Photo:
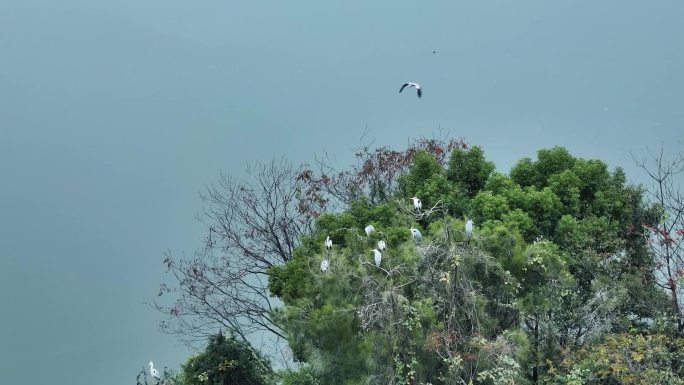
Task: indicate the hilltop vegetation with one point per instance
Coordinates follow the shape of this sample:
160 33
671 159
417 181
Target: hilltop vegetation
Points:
558 284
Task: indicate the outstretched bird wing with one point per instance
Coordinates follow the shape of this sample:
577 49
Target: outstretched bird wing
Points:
402 87
420 92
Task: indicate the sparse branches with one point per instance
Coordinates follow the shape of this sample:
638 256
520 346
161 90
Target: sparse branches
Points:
376 172
422 215
253 225
664 232
457 277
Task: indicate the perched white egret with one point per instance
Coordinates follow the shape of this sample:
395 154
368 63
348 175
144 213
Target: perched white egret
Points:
328 243
416 234
378 257
381 245
469 228
417 204
369 229
324 266
411 84
154 372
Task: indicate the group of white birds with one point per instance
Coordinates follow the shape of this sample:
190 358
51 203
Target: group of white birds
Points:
377 252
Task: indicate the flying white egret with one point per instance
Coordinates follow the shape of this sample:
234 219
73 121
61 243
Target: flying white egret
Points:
378 257
381 245
369 229
154 372
328 243
416 234
469 228
324 266
411 84
417 204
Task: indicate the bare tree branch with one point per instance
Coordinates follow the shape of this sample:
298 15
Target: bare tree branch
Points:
665 231
253 225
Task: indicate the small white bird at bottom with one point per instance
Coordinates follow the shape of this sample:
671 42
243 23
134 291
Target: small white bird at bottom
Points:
416 234
469 228
154 372
324 266
381 245
378 257
411 84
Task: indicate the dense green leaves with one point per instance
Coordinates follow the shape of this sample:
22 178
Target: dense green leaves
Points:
561 281
553 260
651 359
469 170
556 285
226 361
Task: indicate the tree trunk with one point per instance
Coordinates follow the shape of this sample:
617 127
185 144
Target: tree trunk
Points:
535 368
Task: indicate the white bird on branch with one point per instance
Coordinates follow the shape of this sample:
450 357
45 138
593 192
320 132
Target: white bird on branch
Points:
416 234
369 229
328 243
381 245
417 204
411 84
469 228
378 257
154 372
324 266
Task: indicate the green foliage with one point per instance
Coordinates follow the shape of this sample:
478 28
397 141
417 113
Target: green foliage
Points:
566 185
524 172
227 361
651 359
552 161
521 221
545 207
424 167
502 241
305 376
428 180
500 184
487 206
335 225
469 170
292 280
556 262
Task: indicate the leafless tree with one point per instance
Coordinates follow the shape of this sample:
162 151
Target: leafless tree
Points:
253 225
665 232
